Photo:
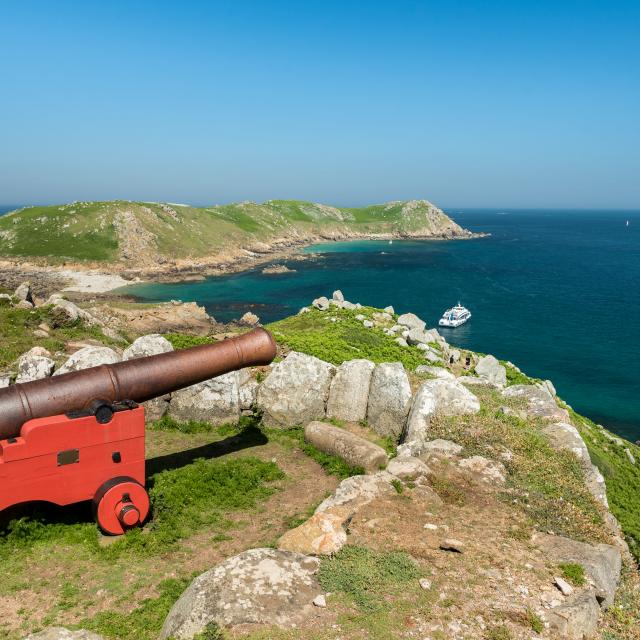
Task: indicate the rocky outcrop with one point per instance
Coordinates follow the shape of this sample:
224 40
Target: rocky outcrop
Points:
349 392
259 586
321 535
216 401
389 399
150 345
88 357
488 367
451 398
356 491
602 562
411 321
296 391
34 365
354 450
423 409
540 403
576 618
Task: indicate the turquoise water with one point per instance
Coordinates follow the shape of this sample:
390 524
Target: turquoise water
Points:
555 292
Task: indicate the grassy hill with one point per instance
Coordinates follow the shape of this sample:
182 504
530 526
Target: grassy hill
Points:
144 233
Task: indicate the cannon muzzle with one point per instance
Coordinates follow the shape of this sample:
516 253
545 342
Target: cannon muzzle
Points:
139 380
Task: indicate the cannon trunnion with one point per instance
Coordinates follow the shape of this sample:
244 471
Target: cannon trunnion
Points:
81 436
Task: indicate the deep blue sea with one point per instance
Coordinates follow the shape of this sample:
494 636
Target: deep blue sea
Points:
555 292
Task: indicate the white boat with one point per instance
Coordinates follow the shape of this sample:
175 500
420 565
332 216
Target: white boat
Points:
455 316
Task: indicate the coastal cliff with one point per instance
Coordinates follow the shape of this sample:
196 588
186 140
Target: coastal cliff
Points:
421 490
160 240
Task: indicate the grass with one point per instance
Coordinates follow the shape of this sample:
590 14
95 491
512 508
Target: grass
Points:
17 327
573 573
184 341
345 339
167 423
622 477
548 485
367 577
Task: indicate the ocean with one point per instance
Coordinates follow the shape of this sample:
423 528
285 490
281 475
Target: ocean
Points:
555 292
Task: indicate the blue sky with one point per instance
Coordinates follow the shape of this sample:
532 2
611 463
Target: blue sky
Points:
530 104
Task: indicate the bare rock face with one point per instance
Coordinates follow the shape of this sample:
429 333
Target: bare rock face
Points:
60 633
150 345
353 449
296 391
349 391
451 398
357 491
216 401
88 357
389 399
34 365
576 618
488 367
540 402
259 586
423 409
411 321
563 435
602 562
323 534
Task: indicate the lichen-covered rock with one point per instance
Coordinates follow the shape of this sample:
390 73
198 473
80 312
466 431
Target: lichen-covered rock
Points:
321 303
436 372
423 409
60 633
488 367
576 618
349 391
24 293
451 398
418 337
150 345
33 365
439 448
353 449
389 399
563 435
250 319
66 312
407 468
259 586
601 562
484 470
322 534
539 402
356 491
216 401
88 357
296 391
411 321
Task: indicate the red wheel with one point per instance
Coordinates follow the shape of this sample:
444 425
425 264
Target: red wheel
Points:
119 504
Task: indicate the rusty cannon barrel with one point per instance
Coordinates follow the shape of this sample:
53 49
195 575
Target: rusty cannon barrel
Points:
139 379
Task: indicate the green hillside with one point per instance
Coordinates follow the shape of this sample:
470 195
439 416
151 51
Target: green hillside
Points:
138 233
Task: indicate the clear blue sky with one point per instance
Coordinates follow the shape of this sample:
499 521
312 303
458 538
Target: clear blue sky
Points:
519 103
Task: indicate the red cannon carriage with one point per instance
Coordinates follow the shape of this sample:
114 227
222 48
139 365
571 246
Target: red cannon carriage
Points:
80 436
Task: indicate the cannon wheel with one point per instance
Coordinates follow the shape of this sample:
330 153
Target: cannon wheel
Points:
120 504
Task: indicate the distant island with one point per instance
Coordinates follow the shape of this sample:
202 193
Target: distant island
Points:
161 241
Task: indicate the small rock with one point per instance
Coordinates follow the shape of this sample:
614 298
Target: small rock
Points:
368 324
401 342
337 295
451 544
321 303
320 601
407 468
24 293
425 584
44 327
61 633
360 317
411 321
250 319
430 527
485 470
322 534
389 310
565 588
488 367
88 357
149 345
39 333
436 372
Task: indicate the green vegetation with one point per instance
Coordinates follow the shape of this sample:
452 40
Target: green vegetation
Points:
17 327
622 476
345 339
367 577
573 572
144 622
95 231
549 484
397 485
516 377
167 423
184 341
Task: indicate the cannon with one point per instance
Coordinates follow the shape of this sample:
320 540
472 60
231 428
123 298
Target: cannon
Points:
81 435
